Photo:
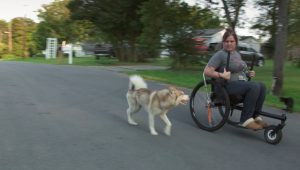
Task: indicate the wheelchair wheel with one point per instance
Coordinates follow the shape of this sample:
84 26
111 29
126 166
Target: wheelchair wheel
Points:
271 136
207 113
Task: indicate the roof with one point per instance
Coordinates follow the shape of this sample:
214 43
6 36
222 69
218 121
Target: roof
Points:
247 37
208 32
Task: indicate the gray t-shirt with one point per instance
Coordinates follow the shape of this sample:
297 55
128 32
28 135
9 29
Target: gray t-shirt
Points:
237 66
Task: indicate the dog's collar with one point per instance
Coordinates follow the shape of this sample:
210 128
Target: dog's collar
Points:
152 95
172 93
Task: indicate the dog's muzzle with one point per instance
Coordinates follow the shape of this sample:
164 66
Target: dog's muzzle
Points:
182 99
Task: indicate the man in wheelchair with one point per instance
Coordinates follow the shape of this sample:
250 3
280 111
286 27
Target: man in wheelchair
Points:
237 84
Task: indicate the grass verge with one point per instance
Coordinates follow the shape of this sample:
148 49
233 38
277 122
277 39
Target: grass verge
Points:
189 79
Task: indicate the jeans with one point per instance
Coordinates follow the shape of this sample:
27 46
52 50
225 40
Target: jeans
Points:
254 94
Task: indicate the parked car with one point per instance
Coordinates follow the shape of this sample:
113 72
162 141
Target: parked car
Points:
248 53
104 49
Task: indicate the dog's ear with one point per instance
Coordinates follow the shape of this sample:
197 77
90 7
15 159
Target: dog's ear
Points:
174 91
172 88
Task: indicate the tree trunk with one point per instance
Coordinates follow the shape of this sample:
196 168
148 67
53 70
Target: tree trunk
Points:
132 52
280 48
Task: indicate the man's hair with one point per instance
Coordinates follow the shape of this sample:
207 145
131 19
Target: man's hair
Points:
228 33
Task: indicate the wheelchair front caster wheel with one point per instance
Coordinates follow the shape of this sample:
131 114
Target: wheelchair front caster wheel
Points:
271 136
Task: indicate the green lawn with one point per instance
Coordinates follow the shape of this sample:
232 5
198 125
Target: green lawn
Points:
189 79
82 61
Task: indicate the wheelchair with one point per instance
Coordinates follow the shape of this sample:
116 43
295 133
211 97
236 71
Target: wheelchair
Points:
211 107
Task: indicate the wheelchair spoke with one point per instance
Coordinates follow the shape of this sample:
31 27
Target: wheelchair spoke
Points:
205 112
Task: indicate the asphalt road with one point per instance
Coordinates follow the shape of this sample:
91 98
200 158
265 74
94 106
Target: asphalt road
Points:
73 118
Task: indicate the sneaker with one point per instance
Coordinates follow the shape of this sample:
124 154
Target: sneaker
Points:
251 124
259 121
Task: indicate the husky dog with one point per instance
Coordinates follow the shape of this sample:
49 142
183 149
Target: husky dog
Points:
155 102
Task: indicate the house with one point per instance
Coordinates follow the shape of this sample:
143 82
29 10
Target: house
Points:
213 37
251 41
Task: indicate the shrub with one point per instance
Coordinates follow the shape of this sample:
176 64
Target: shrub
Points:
9 56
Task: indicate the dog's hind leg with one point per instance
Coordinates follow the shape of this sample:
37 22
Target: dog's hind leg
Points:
130 111
151 124
168 126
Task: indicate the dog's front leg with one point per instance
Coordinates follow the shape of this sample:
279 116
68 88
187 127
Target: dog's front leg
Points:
167 130
151 124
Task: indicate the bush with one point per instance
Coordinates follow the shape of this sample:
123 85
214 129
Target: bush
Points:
3 49
8 56
297 62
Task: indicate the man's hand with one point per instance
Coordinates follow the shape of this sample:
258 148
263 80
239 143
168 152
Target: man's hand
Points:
251 73
226 74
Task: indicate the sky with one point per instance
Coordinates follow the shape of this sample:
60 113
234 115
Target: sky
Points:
250 14
10 9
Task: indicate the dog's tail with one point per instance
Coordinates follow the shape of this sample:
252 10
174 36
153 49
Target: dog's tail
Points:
136 82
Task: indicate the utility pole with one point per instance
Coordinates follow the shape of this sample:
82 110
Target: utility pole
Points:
9 33
24 39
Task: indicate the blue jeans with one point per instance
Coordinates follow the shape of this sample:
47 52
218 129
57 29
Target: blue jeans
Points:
254 96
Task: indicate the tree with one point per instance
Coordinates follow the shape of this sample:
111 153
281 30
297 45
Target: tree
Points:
23 29
180 22
152 18
280 47
267 22
275 21
170 25
294 24
3 29
3 37
56 23
119 20
41 34
232 10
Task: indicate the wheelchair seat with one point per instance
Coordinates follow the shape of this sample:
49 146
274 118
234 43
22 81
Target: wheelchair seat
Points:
218 98
236 99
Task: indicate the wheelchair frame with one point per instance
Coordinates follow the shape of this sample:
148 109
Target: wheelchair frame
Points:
225 108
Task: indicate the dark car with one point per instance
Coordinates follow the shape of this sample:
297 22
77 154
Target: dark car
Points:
104 50
250 55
